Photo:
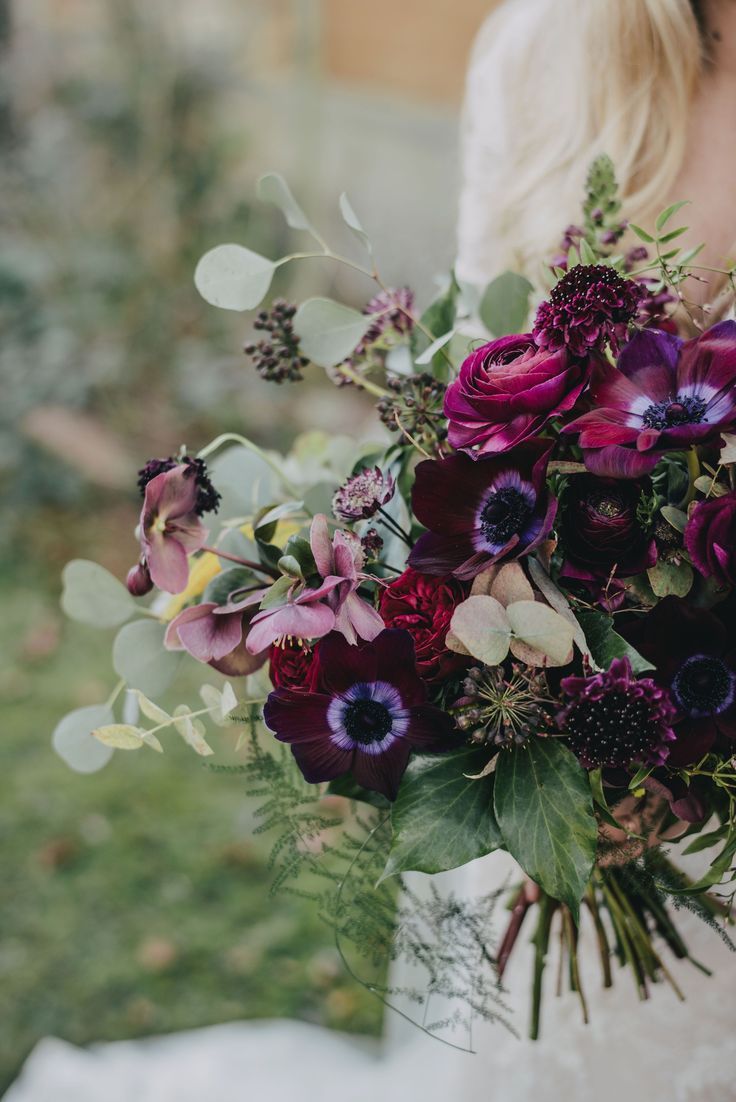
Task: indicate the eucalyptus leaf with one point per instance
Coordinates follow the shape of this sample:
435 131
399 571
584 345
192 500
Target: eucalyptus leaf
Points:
540 627
140 658
606 644
73 740
728 453
504 307
482 626
233 277
273 188
676 517
92 595
353 222
328 331
441 818
671 579
120 736
544 809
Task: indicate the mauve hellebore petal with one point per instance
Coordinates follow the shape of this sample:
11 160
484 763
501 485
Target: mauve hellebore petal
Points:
170 528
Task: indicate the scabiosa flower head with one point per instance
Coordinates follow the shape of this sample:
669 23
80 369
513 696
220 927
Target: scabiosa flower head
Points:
367 716
207 499
481 512
363 495
616 719
664 394
695 659
591 306
507 391
423 604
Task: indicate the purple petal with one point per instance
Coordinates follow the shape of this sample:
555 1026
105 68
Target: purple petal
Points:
207 636
382 772
618 462
321 545
650 347
310 621
355 618
167 561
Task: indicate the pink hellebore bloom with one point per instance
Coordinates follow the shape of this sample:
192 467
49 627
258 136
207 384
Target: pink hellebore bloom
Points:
170 529
332 606
215 634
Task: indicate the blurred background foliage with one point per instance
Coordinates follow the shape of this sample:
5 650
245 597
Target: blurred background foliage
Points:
131 136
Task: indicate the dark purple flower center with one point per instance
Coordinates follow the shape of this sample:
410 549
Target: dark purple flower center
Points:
368 716
366 721
704 686
614 730
505 514
684 409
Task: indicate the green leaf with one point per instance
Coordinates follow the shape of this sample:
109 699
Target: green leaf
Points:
139 657
351 790
233 277
671 236
719 867
328 331
481 626
676 517
505 304
273 188
642 234
353 222
544 810
542 629
671 579
605 644
587 256
228 582
120 736
73 740
669 211
441 819
92 595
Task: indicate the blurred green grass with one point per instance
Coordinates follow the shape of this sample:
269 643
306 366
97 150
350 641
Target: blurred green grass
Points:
136 900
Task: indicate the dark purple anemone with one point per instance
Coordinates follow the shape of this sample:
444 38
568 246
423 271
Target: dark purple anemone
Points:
664 394
695 658
481 511
368 716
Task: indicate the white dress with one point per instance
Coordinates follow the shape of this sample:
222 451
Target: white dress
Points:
658 1051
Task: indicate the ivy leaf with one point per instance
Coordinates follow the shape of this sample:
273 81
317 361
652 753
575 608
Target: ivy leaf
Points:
606 644
92 595
233 277
349 788
544 810
441 818
328 331
504 307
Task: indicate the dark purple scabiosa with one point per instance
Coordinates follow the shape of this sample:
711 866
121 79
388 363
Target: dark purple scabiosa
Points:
663 394
695 658
710 539
601 534
616 719
363 495
507 391
481 512
369 714
590 307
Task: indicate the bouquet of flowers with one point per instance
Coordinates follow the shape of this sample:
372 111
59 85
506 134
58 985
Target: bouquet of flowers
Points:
505 624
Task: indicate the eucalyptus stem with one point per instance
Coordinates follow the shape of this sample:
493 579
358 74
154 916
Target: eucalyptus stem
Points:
236 438
115 693
366 384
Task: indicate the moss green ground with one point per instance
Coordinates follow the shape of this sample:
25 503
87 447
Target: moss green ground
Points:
136 900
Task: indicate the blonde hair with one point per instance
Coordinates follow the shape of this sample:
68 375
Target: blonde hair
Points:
576 78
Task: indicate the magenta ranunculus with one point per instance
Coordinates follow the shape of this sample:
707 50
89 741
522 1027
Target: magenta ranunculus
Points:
710 539
507 391
664 394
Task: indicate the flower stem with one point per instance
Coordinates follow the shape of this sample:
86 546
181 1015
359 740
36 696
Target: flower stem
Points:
366 384
236 438
547 908
395 527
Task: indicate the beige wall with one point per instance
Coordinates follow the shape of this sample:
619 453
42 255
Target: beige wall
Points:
414 48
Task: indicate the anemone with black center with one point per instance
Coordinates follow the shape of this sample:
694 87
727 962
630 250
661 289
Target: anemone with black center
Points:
369 715
704 686
506 511
682 409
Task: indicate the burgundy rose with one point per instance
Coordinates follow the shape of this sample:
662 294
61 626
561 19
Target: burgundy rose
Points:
710 539
599 530
292 666
507 391
423 605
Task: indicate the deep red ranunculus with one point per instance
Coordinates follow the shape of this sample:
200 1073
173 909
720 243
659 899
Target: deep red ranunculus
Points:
507 391
292 666
710 538
423 605
600 533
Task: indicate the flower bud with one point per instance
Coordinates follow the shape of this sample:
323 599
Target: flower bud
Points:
138 580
